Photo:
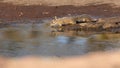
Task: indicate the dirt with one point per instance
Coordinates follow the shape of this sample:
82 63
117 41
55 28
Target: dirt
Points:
16 12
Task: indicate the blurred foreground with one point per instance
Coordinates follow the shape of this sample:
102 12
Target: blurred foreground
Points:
94 60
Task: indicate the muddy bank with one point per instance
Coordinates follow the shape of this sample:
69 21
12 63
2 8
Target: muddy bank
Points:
17 12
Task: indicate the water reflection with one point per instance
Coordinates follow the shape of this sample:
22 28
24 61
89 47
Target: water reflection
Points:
34 34
37 39
13 35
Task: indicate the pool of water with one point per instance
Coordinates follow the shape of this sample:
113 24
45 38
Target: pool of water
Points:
37 39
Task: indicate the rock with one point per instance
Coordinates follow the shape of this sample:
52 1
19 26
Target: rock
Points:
72 20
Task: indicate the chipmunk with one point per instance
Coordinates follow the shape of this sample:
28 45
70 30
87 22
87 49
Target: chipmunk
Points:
81 20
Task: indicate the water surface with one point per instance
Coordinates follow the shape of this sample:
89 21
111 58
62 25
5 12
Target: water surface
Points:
37 39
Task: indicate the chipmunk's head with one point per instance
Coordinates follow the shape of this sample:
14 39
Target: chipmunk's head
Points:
55 23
